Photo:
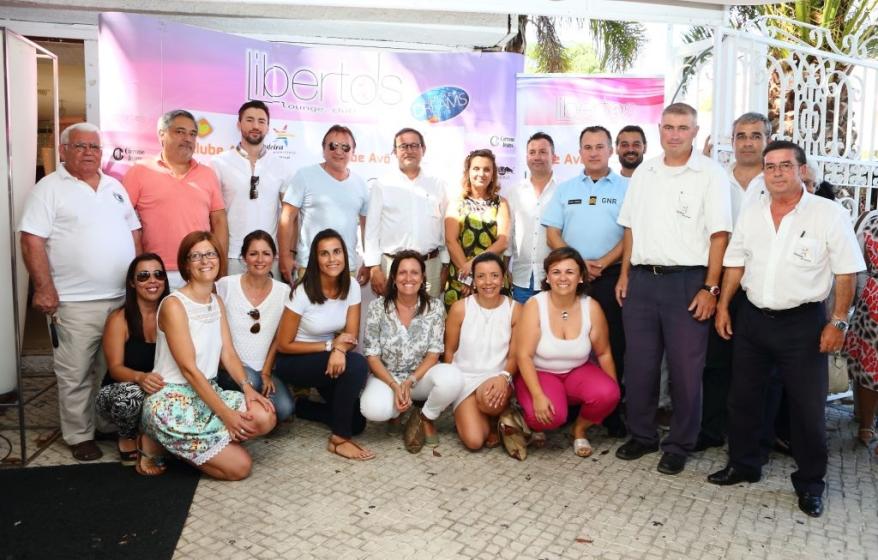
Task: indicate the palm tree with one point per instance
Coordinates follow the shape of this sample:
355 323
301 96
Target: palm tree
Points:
617 43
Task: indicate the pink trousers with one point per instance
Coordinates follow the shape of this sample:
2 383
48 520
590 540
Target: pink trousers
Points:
587 385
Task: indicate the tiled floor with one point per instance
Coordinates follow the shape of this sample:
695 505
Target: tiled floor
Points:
302 502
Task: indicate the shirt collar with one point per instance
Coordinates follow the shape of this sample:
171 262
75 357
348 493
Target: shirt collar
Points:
801 205
62 172
193 163
262 151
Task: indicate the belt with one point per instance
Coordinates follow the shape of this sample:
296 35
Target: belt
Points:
779 313
428 256
658 270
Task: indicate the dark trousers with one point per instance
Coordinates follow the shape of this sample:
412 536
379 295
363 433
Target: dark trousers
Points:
342 394
717 378
788 341
603 290
657 322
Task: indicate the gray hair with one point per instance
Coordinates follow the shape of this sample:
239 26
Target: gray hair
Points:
78 127
165 120
753 117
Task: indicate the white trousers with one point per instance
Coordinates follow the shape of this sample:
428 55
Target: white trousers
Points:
439 387
80 364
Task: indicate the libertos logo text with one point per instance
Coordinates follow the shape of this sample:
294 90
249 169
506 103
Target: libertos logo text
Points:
274 82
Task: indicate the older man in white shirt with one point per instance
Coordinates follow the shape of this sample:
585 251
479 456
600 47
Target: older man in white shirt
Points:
406 208
79 233
526 204
787 250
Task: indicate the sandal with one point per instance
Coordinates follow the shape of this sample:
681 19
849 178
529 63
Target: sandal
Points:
128 458
582 447
537 440
156 462
333 446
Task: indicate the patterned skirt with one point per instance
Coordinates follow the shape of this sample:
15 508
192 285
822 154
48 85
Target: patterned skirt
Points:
182 423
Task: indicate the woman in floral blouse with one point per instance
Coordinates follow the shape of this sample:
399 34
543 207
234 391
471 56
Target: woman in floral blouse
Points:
404 333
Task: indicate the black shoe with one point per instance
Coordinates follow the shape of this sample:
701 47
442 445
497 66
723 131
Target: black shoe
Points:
730 475
671 463
811 504
633 449
705 442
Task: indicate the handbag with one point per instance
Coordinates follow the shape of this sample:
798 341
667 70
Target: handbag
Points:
838 373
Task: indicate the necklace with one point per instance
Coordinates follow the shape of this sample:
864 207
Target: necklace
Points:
565 315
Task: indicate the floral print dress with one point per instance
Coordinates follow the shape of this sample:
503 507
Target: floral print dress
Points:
478 231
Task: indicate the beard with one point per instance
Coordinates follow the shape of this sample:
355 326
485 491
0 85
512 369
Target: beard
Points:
254 141
630 164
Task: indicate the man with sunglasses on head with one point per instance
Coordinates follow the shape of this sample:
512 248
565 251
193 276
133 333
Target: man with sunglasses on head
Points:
252 179
406 210
174 194
326 195
79 232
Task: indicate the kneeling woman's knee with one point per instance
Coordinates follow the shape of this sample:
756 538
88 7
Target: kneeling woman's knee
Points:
240 469
264 420
447 378
471 439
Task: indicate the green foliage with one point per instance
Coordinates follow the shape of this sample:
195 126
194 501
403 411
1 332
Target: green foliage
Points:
579 58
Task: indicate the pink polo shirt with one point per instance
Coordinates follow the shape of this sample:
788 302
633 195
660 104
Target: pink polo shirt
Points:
171 207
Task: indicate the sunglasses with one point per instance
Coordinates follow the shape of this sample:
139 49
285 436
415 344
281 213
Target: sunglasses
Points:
143 275
254 194
333 146
254 314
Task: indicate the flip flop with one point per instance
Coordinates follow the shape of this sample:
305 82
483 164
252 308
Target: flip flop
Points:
333 446
582 447
155 461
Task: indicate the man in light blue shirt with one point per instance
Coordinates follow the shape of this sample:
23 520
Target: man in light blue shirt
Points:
583 215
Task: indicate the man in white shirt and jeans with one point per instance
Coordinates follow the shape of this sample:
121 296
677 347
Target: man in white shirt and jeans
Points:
79 233
526 204
252 180
406 210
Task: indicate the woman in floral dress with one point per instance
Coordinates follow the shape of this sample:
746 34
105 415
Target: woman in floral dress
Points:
479 222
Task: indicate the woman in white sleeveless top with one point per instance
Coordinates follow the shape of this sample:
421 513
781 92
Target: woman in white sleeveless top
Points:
559 329
477 338
191 416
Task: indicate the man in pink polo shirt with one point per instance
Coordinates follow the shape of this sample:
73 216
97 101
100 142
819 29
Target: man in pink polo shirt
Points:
174 195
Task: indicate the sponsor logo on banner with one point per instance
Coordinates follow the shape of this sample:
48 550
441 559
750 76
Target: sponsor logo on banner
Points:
502 141
121 153
440 104
504 170
204 127
283 136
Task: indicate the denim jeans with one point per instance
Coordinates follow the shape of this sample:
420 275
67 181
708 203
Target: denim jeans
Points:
521 295
281 399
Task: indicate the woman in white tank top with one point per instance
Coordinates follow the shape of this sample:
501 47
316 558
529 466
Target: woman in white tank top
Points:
559 330
477 341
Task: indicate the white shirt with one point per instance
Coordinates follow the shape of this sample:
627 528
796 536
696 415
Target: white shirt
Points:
529 247
252 348
405 214
245 215
795 264
325 202
673 211
87 233
320 322
742 196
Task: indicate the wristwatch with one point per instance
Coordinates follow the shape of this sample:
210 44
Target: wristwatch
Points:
413 379
712 290
329 346
840 324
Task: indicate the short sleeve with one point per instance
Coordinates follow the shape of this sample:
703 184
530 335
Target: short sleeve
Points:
436 330
736 253
625 213
132 183
216 195
295 193
299 303
844 251
38 215
553 215
354 295
364 198
130 215
718 201
372 343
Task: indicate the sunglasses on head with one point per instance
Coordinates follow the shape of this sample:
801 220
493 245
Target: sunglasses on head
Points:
143 275
333 146
254 314
254 194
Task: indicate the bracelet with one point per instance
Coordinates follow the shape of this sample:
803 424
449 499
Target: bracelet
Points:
413 379
507 375
339 349
245 381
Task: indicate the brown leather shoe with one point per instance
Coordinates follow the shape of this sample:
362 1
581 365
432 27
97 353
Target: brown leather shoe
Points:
414 436
86 451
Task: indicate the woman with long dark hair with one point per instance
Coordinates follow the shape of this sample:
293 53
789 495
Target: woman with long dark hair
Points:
129 345
315 342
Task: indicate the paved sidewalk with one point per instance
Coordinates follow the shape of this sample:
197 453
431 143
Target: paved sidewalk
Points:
301 502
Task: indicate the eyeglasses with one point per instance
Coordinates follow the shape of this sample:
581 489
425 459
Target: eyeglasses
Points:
333 146
195 257
784 166
82 147
254 194
254 314
143 275
407 147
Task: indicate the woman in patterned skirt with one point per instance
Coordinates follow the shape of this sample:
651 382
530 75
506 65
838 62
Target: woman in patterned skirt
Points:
479 222
861 342
404 330
191 416
129 344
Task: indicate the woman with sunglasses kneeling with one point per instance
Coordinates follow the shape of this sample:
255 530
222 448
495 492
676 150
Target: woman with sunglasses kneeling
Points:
254 302
404 330
191 416
129 345
315 342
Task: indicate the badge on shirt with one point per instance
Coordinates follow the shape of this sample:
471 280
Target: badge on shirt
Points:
118 198
592 200
574 201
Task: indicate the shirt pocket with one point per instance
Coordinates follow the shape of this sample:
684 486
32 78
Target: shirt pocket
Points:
806 253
